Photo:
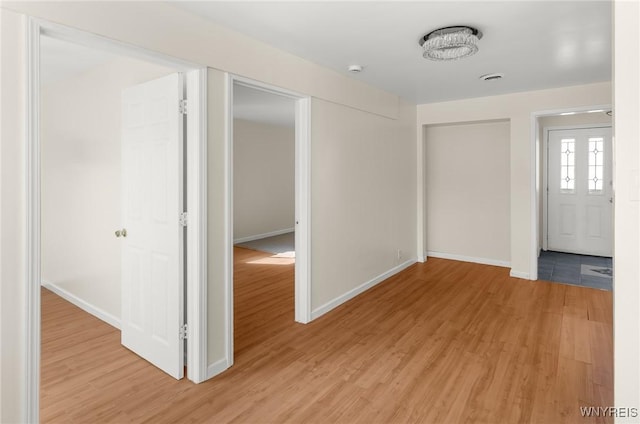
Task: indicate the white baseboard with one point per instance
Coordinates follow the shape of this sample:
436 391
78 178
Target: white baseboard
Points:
358 290
422 258
217 367
82 304
518 274
265 235
483 261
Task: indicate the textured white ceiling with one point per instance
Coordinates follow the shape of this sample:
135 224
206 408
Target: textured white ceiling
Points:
536 44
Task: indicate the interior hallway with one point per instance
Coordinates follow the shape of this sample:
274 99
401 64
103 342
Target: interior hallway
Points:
443 341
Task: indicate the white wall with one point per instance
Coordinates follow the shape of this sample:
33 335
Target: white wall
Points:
263 179
217 210
81 184
626 183
12 218
363 198
467 191
518 109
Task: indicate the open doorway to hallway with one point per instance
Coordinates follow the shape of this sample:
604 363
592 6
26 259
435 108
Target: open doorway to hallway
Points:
108 133
263 214
576 199
88 223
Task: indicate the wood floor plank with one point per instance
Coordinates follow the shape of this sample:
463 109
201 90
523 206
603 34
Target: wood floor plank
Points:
441 342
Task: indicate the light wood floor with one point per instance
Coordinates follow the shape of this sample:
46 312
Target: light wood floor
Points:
443 342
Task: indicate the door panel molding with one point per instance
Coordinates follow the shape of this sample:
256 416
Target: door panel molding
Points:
153 283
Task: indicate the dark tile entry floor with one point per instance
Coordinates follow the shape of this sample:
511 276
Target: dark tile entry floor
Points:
578 270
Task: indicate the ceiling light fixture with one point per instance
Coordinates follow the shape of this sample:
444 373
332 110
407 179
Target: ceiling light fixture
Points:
354 69
450 43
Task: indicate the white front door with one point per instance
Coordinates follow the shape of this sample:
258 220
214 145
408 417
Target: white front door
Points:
152 251
579 188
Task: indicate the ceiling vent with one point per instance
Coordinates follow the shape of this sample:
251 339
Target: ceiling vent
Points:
492 77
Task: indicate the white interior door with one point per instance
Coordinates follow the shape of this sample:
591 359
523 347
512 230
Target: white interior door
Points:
152 253
579 188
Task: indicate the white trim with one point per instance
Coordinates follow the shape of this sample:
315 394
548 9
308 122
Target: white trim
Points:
217 367
421 224
332 304
264 235
577 127
267 88
228 222
462 258
534 223
82 304
36 28
303 211
521 275
534 177
32 208
196 264
543 165
110 45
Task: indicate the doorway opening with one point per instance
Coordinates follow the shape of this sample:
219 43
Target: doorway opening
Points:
575 237
87 95
269 208
263 214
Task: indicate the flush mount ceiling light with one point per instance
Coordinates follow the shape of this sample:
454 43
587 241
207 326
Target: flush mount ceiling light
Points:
450 43
492 77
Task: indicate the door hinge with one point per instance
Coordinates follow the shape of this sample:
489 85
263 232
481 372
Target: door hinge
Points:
183 332
183 218
183 107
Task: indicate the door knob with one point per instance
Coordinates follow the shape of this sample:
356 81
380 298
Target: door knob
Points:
121 233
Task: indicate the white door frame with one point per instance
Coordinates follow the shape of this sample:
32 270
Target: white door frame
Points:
534 177
302 201
196 264
545 171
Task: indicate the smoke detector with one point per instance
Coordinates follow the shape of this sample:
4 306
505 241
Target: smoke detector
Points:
355 69
492 77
